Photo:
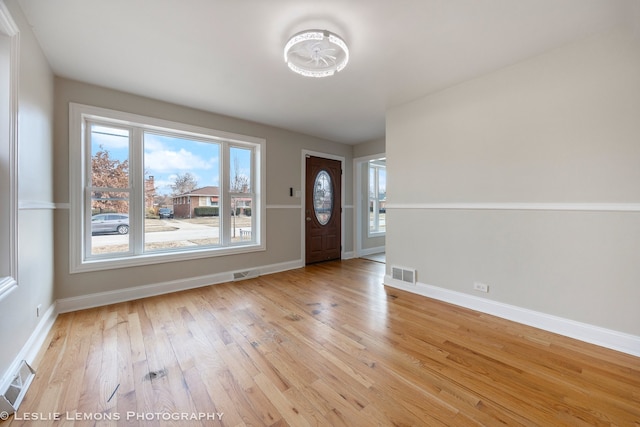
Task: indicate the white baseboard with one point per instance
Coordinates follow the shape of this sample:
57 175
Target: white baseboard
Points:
283 266
121 295
371 251
33 345
31 348
348 255
608 338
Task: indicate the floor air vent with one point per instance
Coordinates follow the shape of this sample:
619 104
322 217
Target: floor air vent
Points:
12 396
404 274
249 274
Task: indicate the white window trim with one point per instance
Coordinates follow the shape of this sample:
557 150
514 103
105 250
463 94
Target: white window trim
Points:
9 193
78 113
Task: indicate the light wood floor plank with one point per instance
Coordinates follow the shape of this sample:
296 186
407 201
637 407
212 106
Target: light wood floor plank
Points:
324 345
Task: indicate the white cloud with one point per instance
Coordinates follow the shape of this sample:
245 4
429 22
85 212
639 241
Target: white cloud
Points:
173 161
110 138
166 157
153 144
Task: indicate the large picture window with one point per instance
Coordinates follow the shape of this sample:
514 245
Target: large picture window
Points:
145 190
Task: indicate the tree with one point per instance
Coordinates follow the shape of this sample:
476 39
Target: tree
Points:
162 200
239 182
184 183
108 173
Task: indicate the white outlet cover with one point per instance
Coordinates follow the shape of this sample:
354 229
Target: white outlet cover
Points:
481 287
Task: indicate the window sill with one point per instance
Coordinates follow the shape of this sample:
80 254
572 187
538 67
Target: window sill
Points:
160 258
377 234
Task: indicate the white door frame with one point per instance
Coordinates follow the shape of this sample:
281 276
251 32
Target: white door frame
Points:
359 201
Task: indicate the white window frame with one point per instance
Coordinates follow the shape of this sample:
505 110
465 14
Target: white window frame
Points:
79 219
9 153
376 200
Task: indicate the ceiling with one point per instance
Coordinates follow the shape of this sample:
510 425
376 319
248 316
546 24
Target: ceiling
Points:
226 56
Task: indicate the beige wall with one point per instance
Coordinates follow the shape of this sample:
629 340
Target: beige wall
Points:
369 148
559 128
18 318
284 164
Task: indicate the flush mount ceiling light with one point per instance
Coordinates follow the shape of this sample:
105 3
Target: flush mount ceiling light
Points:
316 53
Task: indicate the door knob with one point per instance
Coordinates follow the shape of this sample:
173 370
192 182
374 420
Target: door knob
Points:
308 219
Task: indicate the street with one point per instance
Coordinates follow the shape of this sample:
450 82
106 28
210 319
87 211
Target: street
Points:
187 232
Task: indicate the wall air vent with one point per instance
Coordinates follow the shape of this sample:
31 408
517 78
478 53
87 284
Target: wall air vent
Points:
404 274
12 396
242 275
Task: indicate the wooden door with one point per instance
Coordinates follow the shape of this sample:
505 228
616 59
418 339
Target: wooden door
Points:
323 210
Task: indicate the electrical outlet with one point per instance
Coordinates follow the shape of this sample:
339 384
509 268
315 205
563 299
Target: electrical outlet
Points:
480 287
38 310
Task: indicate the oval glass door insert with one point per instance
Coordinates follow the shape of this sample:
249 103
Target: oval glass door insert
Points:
323 197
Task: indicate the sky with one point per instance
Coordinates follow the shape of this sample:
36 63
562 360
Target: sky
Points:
166 157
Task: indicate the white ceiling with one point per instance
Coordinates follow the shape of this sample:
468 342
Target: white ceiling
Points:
225 56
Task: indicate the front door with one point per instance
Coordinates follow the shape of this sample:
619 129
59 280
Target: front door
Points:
322 210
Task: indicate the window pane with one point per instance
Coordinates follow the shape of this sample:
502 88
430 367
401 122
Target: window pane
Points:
377 195
182 178
372 215
372 182
242 219
109 222
382 198
382 220
109 157
103 202
240 171
168 234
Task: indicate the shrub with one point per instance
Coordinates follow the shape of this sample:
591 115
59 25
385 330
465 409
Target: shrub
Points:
151 213
102 211
206 211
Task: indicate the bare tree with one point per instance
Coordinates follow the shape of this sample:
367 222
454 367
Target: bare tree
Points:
184 183
239 181
239 184
163 200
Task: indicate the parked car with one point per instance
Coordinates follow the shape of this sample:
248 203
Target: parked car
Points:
165 213
110 223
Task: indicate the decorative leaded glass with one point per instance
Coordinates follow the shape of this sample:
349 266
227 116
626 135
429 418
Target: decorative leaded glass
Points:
323 197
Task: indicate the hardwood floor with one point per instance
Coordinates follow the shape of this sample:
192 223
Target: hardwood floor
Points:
327 345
